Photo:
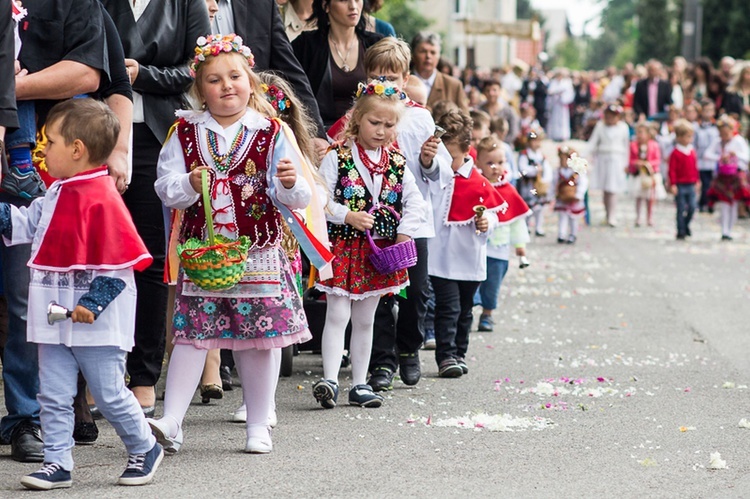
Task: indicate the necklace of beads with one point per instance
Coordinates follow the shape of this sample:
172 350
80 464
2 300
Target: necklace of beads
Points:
378 167
222 162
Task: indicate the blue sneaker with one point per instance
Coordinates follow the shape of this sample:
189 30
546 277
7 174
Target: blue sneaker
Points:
429 340
326 392
363 396
141 467
51 476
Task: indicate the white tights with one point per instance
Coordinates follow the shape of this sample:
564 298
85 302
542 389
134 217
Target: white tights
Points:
338 312
610 205
727 217
538 216
567 225
255 368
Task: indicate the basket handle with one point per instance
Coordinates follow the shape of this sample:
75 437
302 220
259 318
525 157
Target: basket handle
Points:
207 207
370 240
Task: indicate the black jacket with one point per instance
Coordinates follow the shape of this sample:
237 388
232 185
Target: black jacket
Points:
259 24
640 98
8 116
313 53
163 42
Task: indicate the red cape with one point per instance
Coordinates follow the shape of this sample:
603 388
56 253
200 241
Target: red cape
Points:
470 192
90 228
517 207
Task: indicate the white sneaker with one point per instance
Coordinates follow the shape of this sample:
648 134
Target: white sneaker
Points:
260 442
160 430
240 415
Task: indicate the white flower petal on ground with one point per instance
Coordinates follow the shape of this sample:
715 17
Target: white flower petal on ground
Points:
716 462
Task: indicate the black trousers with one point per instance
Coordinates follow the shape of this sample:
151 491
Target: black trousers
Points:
145 361
453 303
706 178
402 331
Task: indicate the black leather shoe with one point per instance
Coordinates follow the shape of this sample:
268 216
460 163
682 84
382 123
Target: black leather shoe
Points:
226 378
381 379
409 368
85 433
26 443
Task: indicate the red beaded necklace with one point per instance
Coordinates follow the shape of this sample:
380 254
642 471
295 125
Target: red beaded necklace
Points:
380 166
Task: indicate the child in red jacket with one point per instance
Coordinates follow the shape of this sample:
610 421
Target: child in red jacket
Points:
683 176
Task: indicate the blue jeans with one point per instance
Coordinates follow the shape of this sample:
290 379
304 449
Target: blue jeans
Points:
685 200
20 371
26 132
104 370
490 288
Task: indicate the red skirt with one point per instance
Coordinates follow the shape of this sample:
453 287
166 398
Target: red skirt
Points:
353 274
728 189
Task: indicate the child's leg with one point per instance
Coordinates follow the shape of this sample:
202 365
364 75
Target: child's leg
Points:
490 288
650 211
466 291
725 215
58 376
363 315
447 312
690 202
21 141
573 223
258 384
183 376
338 312
171 290
638 203
539 219
733 215
562 225
210 374
104 370
276 352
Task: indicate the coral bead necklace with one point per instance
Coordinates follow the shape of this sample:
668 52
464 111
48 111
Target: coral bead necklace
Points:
378 167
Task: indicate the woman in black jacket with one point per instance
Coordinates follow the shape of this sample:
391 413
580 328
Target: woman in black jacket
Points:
333 55
158 40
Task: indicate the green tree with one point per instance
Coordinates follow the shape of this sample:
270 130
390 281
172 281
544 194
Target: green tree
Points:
406 19
569 54
618 30
657 36
737 38
524 10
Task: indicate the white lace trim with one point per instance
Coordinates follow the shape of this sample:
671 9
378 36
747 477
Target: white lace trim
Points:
251 119
377 292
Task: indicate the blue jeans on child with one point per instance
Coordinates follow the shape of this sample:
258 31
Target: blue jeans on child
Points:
104 370
490 288
26 131
685 200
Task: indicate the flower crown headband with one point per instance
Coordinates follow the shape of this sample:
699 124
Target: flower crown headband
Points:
276 97
379 86
213 45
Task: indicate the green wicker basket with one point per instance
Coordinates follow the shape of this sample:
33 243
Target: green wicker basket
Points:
218 263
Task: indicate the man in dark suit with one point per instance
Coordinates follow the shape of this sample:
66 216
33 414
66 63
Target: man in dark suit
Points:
652 95
425 48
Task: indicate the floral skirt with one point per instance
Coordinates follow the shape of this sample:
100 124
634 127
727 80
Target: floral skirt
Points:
242 323
353 274
728 189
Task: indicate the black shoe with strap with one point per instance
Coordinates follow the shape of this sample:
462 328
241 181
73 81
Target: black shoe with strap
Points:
409 368
381 379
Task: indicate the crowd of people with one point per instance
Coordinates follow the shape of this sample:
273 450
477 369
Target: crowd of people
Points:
305 132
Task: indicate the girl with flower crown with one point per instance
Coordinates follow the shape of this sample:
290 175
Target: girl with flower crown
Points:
255 176
367 178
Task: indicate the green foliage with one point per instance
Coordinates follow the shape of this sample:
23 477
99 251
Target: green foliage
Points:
737 40
657 37
617 39
406 19
524 10
569 54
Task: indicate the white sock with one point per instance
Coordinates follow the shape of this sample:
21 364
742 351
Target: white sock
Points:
562 226
258 385
338 311
360 349
573 225
539 218
276 369
183 376
734 210
725 218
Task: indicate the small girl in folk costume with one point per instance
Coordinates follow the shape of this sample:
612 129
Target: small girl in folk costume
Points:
610 145
511 229
729 186
535 179
570 192
366 178
253 180
645 158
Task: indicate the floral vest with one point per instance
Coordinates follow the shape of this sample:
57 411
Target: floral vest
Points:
253 212
351 191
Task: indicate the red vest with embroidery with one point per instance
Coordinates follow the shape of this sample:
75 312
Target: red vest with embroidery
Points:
254 215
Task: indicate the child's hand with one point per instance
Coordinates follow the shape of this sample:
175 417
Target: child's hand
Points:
402 238
428 151
483 224
287 173
82 314
360 220
673 190
16 67
195 178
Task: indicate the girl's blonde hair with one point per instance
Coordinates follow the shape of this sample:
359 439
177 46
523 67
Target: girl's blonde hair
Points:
364 104
648 127
295 115
257 100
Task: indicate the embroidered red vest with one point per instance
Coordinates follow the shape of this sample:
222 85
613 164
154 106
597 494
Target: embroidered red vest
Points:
351 190
254 215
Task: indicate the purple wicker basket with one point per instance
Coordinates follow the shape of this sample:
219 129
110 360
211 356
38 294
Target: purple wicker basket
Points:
395 257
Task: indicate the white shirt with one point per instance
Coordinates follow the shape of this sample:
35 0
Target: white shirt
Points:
173 182
526 169
414 214
736 145
456 252
429 82
223 22
414 128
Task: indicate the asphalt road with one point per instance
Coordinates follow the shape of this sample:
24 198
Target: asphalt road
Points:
617 367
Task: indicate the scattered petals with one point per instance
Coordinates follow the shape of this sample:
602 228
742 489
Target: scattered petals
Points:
716 462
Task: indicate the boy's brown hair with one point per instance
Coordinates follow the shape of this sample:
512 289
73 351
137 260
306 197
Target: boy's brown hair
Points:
487 144
389 54
89 121
682 127
457 124
481 119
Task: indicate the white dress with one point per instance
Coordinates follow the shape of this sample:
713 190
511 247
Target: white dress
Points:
560 95
610 151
